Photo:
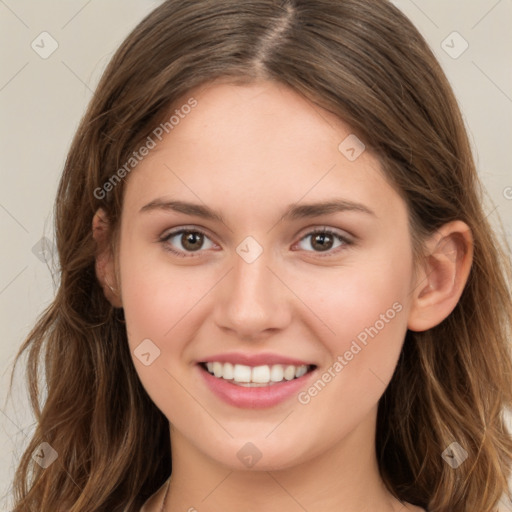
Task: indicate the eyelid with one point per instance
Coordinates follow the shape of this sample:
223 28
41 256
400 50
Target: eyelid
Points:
327 229
168 233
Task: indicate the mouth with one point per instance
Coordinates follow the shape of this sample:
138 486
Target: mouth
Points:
256 376
255 380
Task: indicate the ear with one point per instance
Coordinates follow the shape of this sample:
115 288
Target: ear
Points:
105 263
441 281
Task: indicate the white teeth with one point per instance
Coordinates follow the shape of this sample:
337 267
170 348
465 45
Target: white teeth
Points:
260 374
276 373
228 371
300 371
247 375
241 373
289 372
217 369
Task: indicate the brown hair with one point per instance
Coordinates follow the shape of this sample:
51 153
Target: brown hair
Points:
364 61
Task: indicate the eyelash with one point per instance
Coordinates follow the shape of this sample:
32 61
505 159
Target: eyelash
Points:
346 242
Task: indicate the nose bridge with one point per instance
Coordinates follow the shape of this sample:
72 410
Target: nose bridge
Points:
251 280
253 300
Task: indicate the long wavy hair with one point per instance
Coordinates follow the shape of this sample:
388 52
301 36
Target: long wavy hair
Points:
364 61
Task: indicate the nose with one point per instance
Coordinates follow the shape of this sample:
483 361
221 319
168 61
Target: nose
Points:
252 301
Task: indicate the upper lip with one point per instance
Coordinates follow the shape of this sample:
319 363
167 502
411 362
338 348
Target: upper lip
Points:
254 359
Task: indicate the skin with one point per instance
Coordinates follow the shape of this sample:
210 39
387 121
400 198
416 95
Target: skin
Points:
248 152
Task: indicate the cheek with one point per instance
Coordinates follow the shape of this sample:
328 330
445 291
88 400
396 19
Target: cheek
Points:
155 294
354 301
158 304
366 307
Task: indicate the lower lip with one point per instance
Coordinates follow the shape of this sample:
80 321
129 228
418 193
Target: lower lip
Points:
257 397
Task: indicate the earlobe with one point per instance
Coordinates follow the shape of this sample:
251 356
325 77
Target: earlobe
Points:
443 277
105 264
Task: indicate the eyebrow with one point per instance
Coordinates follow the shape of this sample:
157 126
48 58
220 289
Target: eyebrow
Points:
292 212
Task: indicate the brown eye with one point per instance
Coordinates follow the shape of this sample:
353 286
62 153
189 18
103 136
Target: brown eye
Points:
324 240
183 242
192 240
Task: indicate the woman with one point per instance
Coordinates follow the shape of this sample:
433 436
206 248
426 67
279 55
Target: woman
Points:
279 289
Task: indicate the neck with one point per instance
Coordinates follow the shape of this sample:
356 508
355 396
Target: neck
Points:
343 479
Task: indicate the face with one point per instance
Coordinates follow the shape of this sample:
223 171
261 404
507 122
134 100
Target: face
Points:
266 286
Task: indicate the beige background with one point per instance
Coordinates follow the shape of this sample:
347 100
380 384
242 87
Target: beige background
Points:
42 100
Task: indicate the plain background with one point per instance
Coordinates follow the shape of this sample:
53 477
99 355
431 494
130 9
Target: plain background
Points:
42 101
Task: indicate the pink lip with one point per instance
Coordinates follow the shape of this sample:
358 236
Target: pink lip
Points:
254 359
254 398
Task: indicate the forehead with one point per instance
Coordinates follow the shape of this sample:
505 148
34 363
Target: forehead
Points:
268 112
256 144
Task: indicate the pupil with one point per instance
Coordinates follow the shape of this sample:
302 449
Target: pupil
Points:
191 239
321 237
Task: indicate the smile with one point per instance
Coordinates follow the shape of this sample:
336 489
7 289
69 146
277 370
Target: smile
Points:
255 385
256 376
